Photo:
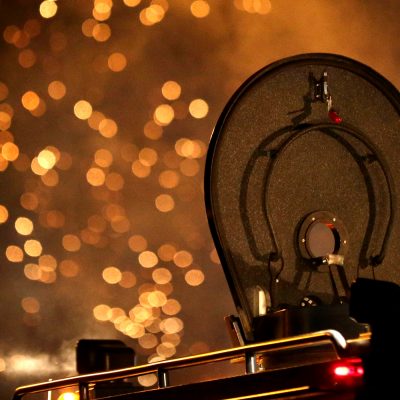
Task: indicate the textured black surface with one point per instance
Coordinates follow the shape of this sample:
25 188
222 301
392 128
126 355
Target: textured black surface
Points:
254 183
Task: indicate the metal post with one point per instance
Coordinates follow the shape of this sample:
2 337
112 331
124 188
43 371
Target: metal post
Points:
251 363
83 391
162 376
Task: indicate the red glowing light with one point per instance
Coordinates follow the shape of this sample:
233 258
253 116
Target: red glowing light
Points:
342 371
335 117
349 369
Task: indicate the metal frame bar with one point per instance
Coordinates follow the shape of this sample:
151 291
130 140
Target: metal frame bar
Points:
161 368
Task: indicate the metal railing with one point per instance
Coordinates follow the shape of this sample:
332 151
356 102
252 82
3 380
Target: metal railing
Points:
161 369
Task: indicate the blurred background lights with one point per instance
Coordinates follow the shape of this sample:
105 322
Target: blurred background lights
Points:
112 275
132 3
106 112
171 90
30 100
46 159
95 176
198 108
14 254
33 248
102 312
48 8
183 258
164 203
3 214
137 243
108 127
56 90
163 115
83 109
194 277
117 62
10 151
68 396
30 305
200 8
148 259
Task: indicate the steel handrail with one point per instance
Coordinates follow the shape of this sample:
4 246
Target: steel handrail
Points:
161 368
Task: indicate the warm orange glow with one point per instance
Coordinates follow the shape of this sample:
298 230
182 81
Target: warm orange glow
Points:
166 252
148 341
37 168
183 259
14 253
108 127
27 58
137 243
48 8
157 299
171 325
33 248
32 27
68 396
148 157
161 276
10 151
56 90
71 242
95 119
101 32
164 203
32 272
95 176
3 91
171 90
128 280
30 100
140 170
87 27
40 109
198 108
46 159
29 201
194 277
50 178
132 3
117 62
148 259
152 130
5 120
200 8
168 179
163 115
83 109
166 350
69 268
102 312
47 263
24 226
112 275
114 181
103 158
55 219
171 307
3 214
147 380
30 305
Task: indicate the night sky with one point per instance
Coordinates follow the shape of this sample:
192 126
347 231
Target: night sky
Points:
106 111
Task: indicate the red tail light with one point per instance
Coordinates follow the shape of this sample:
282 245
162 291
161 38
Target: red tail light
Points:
351 368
